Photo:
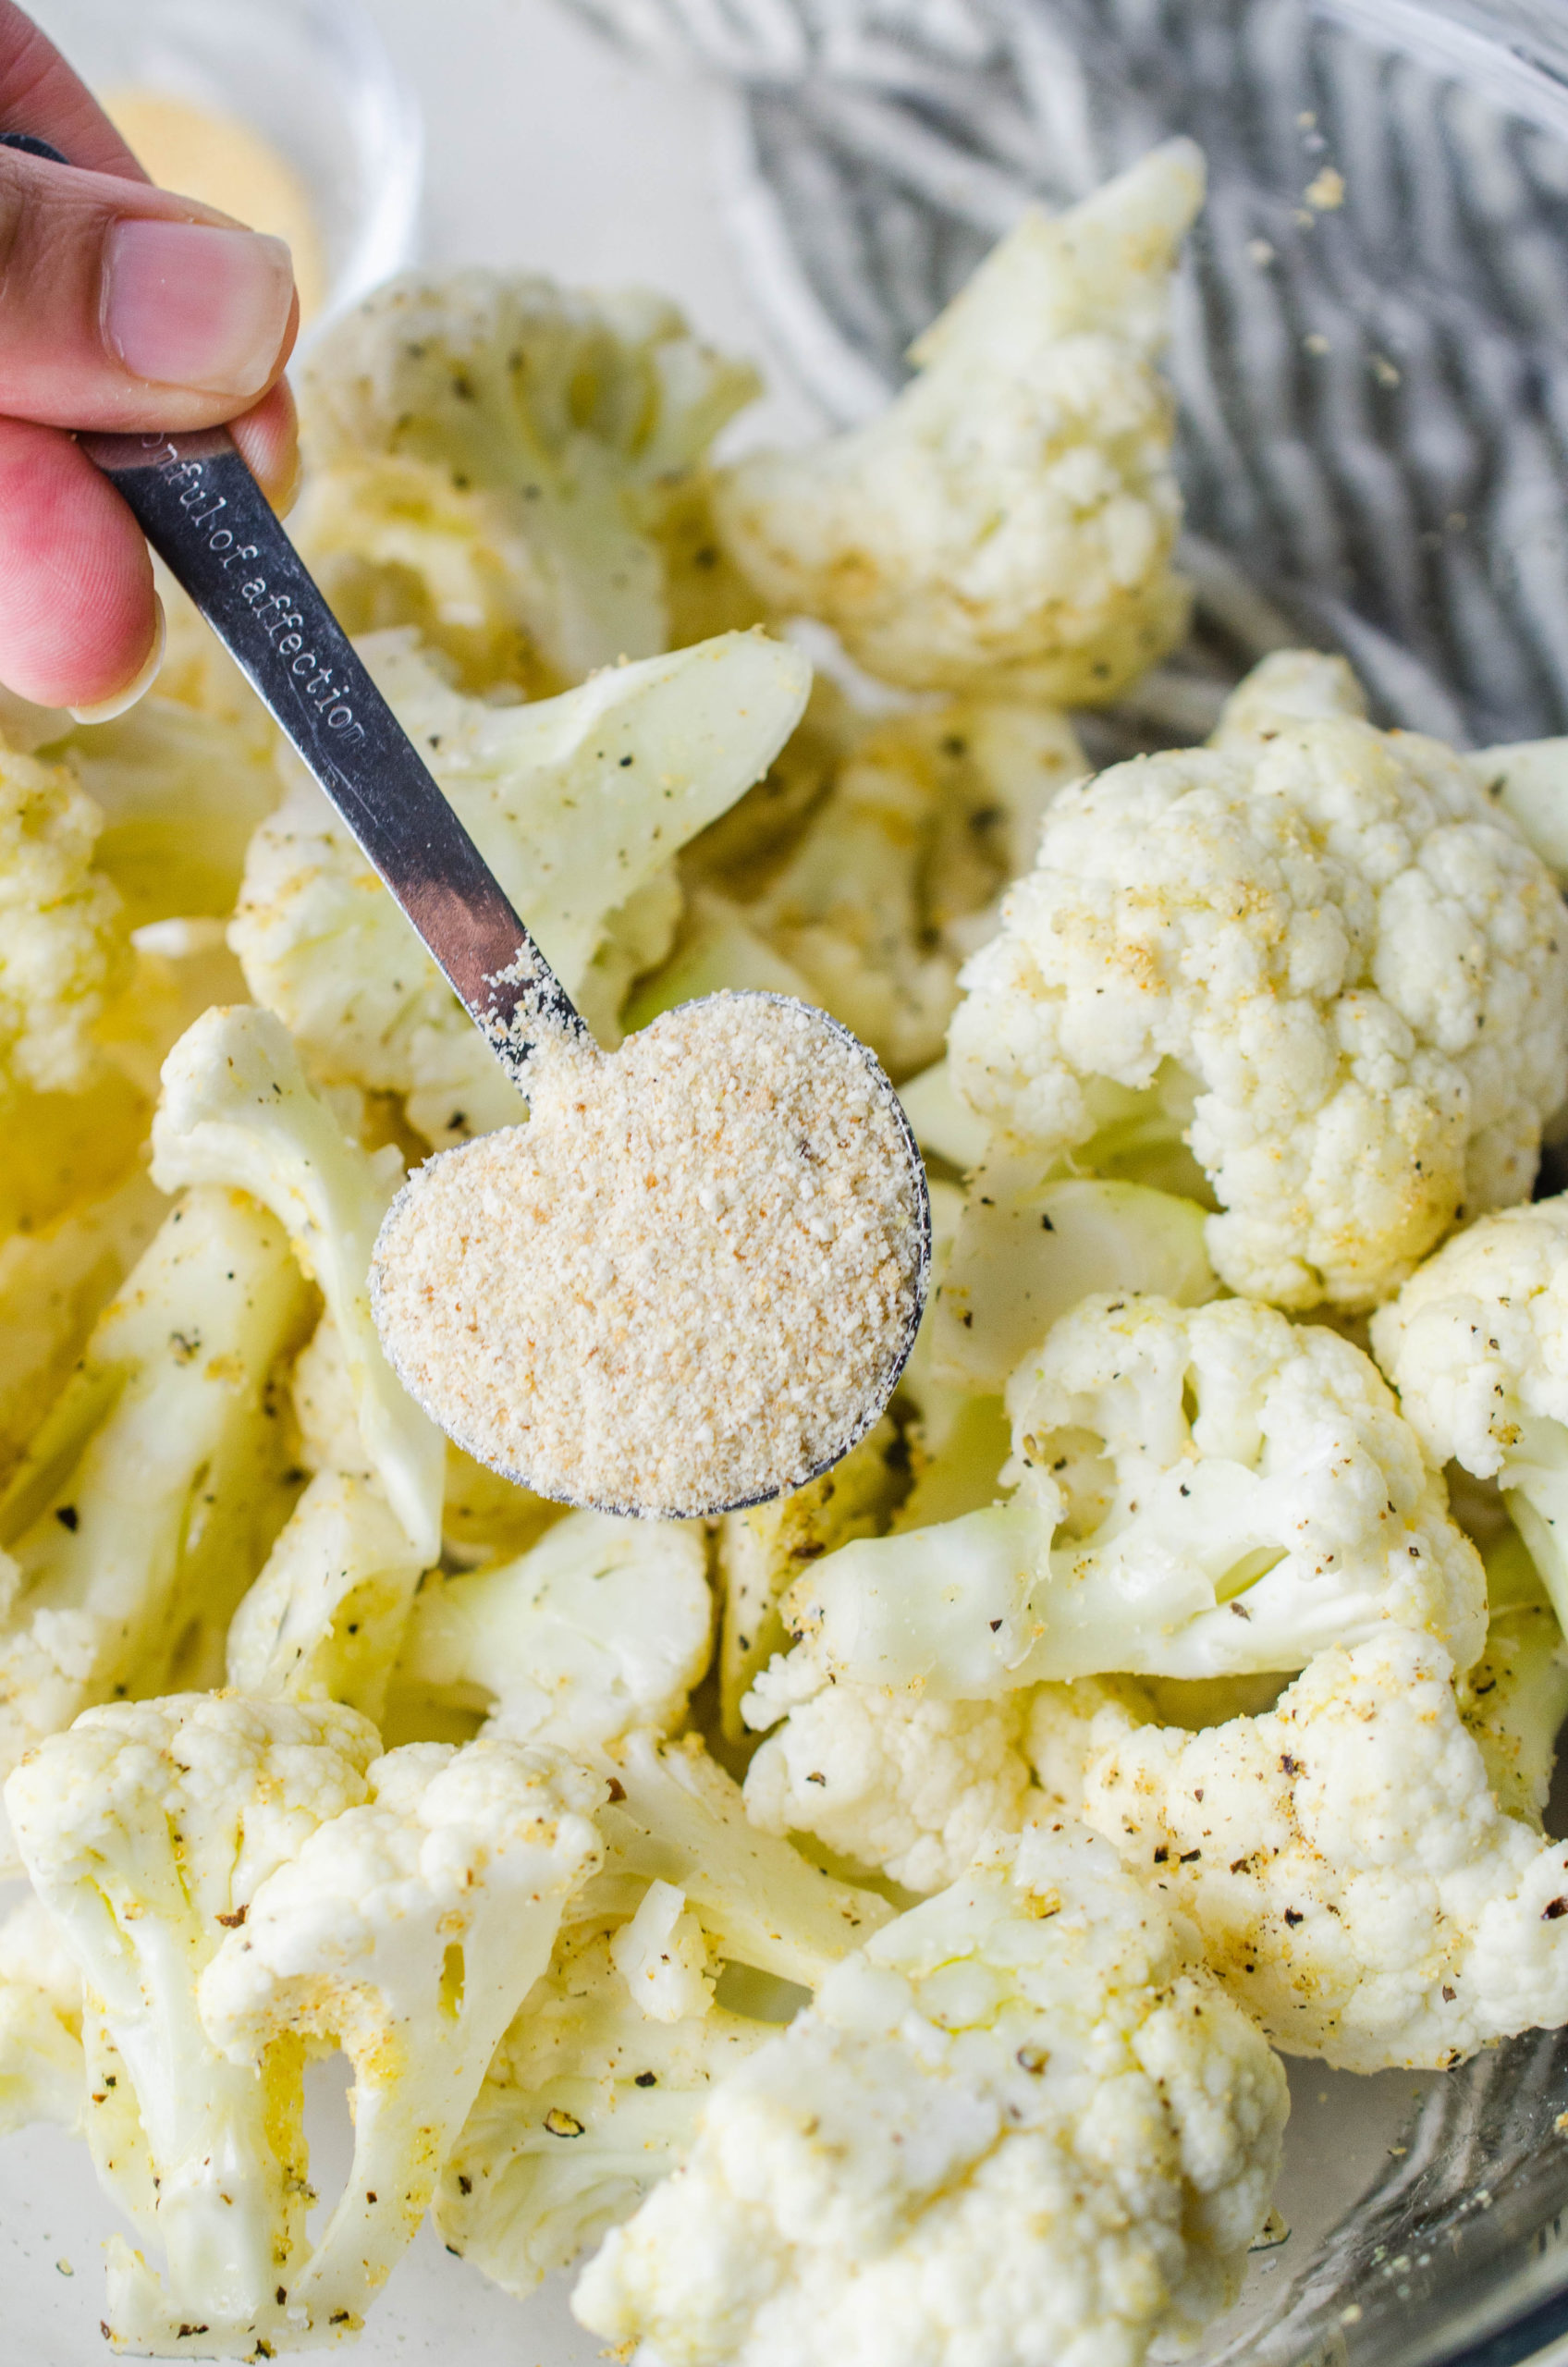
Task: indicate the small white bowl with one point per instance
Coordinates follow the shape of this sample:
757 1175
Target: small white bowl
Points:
313 77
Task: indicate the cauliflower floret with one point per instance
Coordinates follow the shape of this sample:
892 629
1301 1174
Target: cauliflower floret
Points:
716 952
1315 951
678 1818
1069 1724
604 1625
55 1282
1529 782
486 1518
942 1123
894 1779
1476 1345
662 1957
742 847
588 2104
958 1441
62 941
1204 1491
594 2094
1022 1257
577 804
1289 686
179 791
893 877
43 2076
1355 1882
1013 511
407 1932
763 1551
1260 1463
147 1830
1022 2125
326 1618
1515 1698
237 1109
151 1493
490 457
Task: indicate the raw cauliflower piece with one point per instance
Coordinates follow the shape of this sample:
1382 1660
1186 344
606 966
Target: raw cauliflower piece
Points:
237 1109
588 2103
42 2075
678 1818
1013 513
763 1551
151 1492
1354 1881
1023 1258
1513 1702
407 1932
147 1830
604 1625
1288 686
62 940
662 1956
180 790
490 457
893 1778
1069 1724
1529 782
55 1282
893 877
1022 2125
326 1618
578 803
1260 1463
594 2094
1476 1345
958 1441
1316 952
1203 1491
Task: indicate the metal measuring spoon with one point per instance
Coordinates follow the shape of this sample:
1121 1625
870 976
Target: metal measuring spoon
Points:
206 516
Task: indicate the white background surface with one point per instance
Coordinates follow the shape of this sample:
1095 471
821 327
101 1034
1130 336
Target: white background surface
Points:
548 149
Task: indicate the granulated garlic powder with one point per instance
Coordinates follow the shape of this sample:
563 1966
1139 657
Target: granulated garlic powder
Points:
689 1280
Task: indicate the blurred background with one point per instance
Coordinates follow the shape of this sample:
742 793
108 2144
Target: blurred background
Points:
491 132
1371 333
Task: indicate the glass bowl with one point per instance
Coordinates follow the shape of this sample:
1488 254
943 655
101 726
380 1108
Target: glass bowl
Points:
311 77
1370 356
1375 449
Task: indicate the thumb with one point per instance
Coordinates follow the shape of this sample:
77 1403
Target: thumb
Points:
124 307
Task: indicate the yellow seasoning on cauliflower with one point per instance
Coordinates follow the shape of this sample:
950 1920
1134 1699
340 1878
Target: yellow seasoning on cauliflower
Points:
691 1281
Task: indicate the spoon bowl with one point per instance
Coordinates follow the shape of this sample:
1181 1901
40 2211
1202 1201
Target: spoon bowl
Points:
689 1283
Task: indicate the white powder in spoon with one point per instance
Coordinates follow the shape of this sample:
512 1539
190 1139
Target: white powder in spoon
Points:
689 1280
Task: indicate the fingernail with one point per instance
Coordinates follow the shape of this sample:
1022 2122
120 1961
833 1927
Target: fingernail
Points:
189 306
105 710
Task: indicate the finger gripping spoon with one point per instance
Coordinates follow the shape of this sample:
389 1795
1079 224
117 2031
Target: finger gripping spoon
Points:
607 1400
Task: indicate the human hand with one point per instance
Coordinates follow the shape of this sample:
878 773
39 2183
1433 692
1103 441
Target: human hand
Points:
121 308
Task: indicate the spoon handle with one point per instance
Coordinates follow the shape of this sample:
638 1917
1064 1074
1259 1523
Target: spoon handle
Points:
208 520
